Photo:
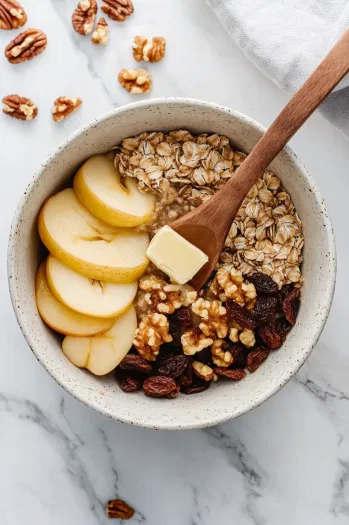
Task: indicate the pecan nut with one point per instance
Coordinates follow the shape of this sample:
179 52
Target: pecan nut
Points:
12 15
84 17
18 107
116 508
149 49
26 46
63 107
135 81
100 35
118 9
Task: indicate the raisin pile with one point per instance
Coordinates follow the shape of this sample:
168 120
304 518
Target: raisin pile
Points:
274 315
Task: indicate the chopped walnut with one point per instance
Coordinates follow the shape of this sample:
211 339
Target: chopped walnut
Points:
100 36
220 356
84 17
214 317
149 49
194 341
18 107
63 107
135 81
152 332
229 283
247 338
162 297
203 371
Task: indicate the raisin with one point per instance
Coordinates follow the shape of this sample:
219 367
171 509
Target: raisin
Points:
176 332
240 315
236 374
136 363
131 383
204 356
256 357
290 305
186 378
239 353
166 350
269 336
282 326
263 283
183 316
173 366
174 393
285 290
159 386
265 308
196 389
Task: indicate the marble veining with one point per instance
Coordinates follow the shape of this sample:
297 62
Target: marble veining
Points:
287 462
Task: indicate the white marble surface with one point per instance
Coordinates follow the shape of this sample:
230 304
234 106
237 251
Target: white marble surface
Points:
285 463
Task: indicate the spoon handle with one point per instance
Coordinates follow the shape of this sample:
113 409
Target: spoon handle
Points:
318 86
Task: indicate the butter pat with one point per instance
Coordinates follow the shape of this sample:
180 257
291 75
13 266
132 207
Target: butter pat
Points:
175 256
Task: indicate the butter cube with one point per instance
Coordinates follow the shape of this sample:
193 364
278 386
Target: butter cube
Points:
175 256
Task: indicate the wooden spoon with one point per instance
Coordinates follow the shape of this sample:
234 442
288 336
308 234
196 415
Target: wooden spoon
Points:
208 225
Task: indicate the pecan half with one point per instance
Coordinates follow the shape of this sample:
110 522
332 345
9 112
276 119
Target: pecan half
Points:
118 9
100 35
12 15
63 107
135 81
26 46
18 107
84 17
149 49
116 508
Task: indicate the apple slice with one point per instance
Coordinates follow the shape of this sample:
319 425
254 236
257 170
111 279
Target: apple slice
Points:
97 186
89 246
85 295
101 354
63 319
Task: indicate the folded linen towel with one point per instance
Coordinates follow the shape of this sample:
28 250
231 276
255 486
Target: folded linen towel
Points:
287 39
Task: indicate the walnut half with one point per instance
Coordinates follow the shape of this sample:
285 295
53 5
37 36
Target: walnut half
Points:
135 81
12 15
18 107
149 49
63 107
152 332
26 46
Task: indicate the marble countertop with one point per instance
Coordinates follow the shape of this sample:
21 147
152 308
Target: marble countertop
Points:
286 462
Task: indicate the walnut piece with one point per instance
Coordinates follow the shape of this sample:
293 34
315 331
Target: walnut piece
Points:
220 356
214 317
135 81
12 15
118 9
18 107
155 294
116 508
100 35
203 371
26 46
247 338
63 107
194 341
152 332
229 283
149 49
84 16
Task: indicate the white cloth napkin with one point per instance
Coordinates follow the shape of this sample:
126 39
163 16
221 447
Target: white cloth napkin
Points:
287 39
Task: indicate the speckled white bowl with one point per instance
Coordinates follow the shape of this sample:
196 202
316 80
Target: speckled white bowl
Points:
224 400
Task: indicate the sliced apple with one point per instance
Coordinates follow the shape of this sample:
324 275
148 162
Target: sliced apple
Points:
59 317
101 354
85 295
89 246
98 187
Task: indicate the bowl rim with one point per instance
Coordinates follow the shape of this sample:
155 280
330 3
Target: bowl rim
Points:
11 270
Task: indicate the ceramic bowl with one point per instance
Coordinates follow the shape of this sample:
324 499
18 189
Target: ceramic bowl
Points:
224 400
